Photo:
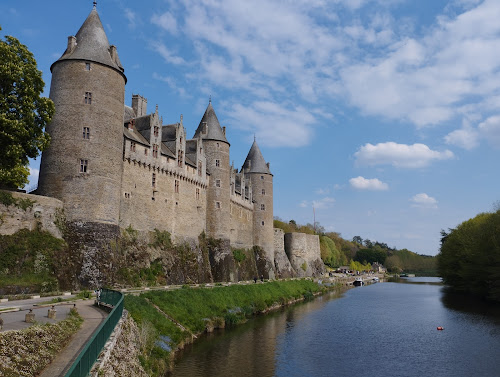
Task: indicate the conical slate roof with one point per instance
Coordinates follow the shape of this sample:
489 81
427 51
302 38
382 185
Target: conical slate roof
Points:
92 44
255 163
213 130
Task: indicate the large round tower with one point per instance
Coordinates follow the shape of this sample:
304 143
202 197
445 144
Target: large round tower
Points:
218 192
262 193
82 166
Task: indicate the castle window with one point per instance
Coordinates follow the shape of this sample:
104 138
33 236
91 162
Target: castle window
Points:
88 98
145 151
263 223
217 163
217 183
153 180
262 207
261 177
176 186
179 158
86 132
127 195
263 191
155 150
218 145
200 168
217 205
132 146
197 193
83 166
157 129
87 66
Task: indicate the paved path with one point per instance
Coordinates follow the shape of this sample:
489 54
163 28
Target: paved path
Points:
93 317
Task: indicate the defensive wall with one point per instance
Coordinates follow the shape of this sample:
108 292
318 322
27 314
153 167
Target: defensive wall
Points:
30 212
304 253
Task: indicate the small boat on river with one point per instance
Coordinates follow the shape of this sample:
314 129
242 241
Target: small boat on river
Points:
358 282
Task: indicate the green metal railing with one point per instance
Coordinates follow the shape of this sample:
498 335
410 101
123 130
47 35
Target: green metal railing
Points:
84 362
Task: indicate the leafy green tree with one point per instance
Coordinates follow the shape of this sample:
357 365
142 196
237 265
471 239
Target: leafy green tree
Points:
23 112
469 259
358 240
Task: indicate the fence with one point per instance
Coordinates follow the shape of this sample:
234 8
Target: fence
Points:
84 362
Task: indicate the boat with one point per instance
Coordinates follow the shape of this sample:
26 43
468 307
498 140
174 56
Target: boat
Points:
375 280
358 282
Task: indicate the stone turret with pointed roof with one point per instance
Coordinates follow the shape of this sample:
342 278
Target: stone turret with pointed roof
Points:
209 127
255 163
91 44
80 165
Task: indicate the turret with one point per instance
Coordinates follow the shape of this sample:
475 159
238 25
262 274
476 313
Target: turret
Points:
261 179
216 149
81 166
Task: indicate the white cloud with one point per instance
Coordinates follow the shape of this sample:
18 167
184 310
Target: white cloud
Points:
423 200
466 137
490 130
323 203
399 155
131 17
167 54
374 184
166 21
290 126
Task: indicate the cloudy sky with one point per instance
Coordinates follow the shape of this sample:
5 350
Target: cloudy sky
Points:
382 115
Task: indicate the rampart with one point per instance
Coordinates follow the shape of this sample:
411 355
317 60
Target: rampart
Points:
30 212
304 253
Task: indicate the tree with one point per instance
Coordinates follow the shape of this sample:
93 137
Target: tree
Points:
23 112
358 240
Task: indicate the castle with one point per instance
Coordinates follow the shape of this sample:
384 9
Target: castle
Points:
115 166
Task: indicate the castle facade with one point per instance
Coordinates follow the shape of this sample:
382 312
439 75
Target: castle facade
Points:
116 166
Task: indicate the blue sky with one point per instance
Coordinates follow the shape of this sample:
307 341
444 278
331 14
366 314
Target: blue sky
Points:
383 115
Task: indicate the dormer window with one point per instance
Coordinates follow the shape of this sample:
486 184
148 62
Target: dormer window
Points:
200 168
156 131
87 66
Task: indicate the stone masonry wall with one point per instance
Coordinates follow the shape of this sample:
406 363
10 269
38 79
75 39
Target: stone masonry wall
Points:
146 207
241 226
44 211
281 262
304 253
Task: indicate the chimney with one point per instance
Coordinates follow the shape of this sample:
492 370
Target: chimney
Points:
71 44
112 52
139 104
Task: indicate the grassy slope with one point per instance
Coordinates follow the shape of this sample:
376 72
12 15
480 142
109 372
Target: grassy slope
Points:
195 308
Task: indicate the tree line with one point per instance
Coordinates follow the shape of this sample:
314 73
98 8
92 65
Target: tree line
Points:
469 258
360 253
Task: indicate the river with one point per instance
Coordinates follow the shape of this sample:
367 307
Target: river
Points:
384 329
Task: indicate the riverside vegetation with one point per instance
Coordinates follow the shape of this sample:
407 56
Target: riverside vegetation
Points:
168 320
469 259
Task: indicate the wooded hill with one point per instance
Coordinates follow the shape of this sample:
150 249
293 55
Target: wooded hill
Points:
358 253
469 260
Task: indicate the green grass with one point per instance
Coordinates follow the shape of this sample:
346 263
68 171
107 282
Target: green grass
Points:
194 307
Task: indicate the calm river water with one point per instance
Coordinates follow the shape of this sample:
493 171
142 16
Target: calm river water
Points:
384 329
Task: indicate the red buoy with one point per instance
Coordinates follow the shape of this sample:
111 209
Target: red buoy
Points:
440 328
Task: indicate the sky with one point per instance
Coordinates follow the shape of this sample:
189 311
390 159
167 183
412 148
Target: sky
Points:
380 118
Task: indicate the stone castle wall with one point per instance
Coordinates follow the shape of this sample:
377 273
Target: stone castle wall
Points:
304 253
146 207
43 213
241 225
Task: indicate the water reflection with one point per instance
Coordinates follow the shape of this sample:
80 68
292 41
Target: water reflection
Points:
250 349
470 304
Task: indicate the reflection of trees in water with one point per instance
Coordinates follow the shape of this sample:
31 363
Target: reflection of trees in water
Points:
470 304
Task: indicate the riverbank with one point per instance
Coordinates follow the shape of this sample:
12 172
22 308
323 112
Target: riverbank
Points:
168 320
